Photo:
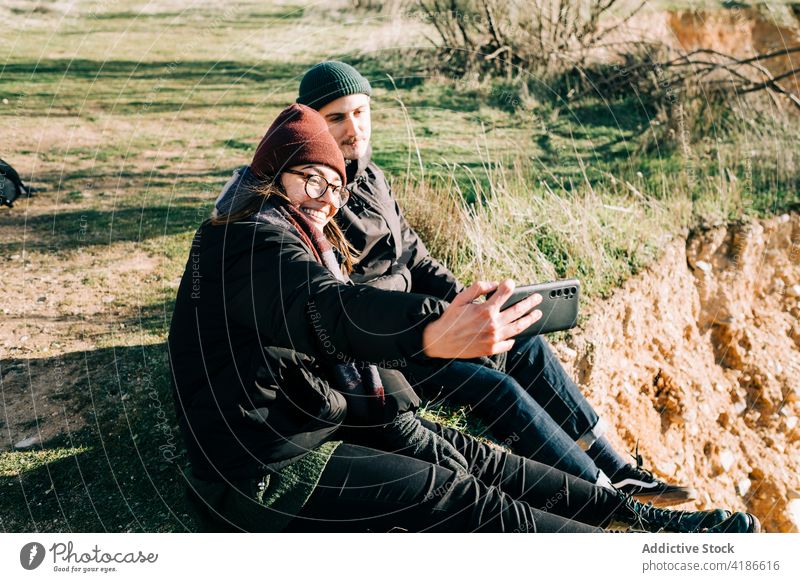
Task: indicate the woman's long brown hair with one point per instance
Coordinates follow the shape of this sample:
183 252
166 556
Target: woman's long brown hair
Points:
268 189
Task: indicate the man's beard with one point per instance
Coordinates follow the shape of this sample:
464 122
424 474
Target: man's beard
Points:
353 150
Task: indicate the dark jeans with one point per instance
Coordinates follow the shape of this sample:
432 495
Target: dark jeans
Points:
363 489
532 406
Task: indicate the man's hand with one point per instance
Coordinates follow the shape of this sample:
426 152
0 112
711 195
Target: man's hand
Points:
469 330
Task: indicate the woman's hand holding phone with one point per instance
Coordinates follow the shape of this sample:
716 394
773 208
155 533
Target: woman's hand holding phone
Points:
469 330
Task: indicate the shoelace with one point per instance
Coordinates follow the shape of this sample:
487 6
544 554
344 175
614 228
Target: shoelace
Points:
640 465
645 514
648 514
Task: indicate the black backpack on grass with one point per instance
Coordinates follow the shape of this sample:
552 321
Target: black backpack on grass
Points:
11 186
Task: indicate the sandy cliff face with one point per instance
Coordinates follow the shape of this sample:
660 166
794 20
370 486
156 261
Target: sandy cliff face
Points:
742 33
698 359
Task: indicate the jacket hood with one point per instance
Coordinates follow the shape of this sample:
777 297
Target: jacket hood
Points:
237 193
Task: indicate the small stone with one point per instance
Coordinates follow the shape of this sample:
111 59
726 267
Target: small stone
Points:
704 266
669 467
5 101
791 422
569 353
723 419
739 407
109 299
26 443
726 460
743 486
41 299
793 291
24 338
785 218
14 257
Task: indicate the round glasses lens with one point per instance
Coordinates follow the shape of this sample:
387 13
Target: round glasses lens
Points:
343 195
315 186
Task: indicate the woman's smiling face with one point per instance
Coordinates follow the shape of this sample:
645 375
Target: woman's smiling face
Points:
320 210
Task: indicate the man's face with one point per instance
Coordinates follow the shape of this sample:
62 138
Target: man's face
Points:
349 123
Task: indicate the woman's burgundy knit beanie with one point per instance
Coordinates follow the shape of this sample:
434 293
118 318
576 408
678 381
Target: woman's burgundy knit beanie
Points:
298 136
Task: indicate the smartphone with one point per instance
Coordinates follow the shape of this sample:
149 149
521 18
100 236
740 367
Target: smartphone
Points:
559 305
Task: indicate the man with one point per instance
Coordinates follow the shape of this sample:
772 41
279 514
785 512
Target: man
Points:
526 399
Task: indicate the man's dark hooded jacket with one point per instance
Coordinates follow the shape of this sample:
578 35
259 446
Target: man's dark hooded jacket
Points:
390 255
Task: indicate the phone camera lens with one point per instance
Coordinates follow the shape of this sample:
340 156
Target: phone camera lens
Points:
552 294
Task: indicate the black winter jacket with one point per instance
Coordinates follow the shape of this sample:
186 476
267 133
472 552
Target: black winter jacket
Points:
390 254
243 406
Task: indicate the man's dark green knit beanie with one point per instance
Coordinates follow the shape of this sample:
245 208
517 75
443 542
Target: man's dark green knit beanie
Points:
330 80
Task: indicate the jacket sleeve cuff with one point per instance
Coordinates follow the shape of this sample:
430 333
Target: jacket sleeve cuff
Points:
430 310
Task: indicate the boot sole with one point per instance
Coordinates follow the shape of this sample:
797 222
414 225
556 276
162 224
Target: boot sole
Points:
756 524
753 525
666 499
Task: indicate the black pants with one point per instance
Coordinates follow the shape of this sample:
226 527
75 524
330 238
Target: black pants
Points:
531 404
364 489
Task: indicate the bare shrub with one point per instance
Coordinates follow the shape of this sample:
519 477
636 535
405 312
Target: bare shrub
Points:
574 47
390 7
538 36
696 94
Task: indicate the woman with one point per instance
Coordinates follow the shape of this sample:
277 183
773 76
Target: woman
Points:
273 353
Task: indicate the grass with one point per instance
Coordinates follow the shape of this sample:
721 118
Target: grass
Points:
129 120
14 464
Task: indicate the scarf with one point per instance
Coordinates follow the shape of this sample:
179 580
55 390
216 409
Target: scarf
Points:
360 383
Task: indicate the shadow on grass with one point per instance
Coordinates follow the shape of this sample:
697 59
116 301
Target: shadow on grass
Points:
189 71
122 468
57 87
145 177
153 318
83 228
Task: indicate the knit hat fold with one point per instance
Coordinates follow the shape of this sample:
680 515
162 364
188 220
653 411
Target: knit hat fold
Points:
329 80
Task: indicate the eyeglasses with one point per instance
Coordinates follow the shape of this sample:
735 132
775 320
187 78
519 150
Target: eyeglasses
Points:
316 186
